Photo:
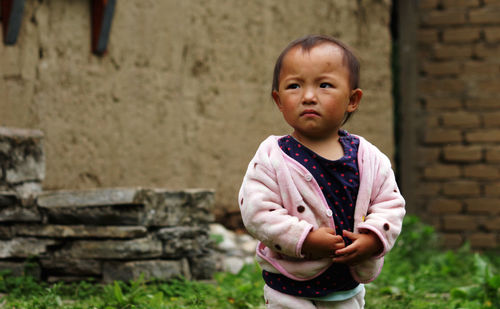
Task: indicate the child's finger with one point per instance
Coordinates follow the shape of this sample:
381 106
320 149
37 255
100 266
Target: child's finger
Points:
350 235
346 251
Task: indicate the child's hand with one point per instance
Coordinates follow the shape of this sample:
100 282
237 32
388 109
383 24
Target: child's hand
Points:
322 243
363 247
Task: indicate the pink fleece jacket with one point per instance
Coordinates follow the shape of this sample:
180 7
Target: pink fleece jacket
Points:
275 186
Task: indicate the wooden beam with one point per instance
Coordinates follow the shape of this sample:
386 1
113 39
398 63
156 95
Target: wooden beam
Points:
11 14
102 16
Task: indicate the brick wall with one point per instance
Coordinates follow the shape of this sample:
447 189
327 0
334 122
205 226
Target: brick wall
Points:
457 155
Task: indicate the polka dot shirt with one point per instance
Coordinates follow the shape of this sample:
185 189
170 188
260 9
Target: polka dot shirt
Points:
339 182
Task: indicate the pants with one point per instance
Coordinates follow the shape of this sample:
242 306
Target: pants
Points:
277 300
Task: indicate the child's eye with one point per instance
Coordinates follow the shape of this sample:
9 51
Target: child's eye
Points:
325 85
293 86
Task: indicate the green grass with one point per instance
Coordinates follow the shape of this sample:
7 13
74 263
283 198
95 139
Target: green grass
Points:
416 275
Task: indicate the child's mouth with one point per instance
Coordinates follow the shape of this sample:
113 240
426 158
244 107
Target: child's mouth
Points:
309 112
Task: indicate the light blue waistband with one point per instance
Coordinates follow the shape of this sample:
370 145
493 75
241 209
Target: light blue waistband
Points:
342 295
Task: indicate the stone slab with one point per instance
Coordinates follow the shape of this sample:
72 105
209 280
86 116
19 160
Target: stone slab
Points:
8 199
79 231
89 197
177 208
152 269
60 265
24 247
95 215
184 241
142 248
18 269
202 267
20 214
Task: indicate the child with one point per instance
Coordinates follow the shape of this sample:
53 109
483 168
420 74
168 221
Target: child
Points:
323 203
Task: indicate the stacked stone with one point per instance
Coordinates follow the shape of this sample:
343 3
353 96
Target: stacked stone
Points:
459 137
106 234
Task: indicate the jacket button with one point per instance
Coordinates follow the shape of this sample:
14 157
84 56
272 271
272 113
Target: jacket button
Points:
308 177
329 212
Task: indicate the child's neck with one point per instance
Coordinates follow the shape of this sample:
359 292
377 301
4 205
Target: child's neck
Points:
329 148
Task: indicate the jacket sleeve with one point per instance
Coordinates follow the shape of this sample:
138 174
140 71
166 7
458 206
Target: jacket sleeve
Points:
263 213
386 209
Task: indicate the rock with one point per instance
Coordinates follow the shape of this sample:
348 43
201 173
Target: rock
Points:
176 208
159 269
203 267
24 247
8 199
60 265
142 248
184 241
22 155
95 215
86 198
20 214
233 264
80 231
18 269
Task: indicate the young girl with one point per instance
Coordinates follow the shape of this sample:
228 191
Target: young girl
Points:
323 203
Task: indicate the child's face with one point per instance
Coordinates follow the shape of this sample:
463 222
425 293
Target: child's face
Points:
314 94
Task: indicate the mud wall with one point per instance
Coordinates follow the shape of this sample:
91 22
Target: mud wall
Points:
181 99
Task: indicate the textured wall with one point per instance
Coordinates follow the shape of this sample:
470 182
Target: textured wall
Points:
182 97
457 129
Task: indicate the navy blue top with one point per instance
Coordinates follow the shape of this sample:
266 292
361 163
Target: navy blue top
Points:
339 181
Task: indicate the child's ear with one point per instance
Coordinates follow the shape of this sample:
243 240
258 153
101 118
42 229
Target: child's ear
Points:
354 100
276 98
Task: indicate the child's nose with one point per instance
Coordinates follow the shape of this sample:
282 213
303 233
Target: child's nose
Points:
309 95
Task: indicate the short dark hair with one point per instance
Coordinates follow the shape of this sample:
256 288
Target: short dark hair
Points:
310 41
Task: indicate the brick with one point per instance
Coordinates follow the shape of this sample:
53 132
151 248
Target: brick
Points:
480 103
442 86
490 85
492 224
459 52
483 205
449 240
443 103
428 155
491 119
428 189
492 34
482 240
441 68
481 171
427 36
442 136
492 189
487 51
461 119
428 4
462 153
461 35
461 188
459 3
487 15
441 171
481 68
493 154
483 136
432 121
445 206
443 18
459 223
